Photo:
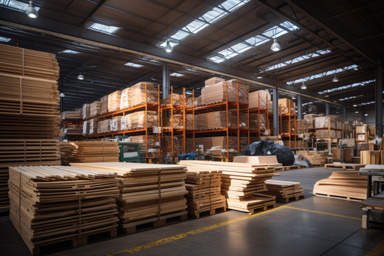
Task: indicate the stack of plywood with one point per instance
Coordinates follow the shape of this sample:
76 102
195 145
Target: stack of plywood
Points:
66 149
115 124
51 204
314 157
93 151
94 109
149 193
284 190
72 115
73 130
92 124
104 126
346 185
242 183
218 92
138 95
153 148
204 191
86 111
104 105
114 101
29 111
287 106
138 120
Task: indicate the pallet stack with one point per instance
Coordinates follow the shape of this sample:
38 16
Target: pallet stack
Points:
51 204
346 185
204 192
242 184
284 190
29 116
89 151
149 193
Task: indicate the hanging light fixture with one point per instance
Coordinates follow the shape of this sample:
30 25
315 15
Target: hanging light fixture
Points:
259 77
168 47
357 112
354 105
365 114
275 46
293 97
80 77
31 11
62 95
326 95
335 79
303 86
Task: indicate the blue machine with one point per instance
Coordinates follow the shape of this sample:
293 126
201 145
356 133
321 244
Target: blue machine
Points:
189 156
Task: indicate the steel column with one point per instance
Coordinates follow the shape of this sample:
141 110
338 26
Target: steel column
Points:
379 103
166 82
326 108
299 108
345 113
275 102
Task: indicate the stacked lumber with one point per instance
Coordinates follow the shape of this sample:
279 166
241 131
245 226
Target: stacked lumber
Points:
75 131
204 191
284 190
51 204
260 99
94 109
66 148
287 106
314 157
91 151
242 183
214 93
104 105
114 101
86 111
72 115
345 184
149 193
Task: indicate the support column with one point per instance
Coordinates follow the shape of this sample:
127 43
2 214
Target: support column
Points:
379 103
275 103
166 82
327 109
345 113
61 102
363 111
299 108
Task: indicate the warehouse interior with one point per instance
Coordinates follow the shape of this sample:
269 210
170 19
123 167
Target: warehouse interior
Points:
228 127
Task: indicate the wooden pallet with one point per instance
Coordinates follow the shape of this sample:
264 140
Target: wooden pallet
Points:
349 198
133 227
262 207
294 197
211 212
346 166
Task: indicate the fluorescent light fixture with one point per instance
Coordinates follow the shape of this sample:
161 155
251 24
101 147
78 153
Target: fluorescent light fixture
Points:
298 59
80 77
326 95
275 46
4 39
70 52
31 11
356 111
134 65
168 47
259 77
350 98
320 75
62 95
293 97
348 86
303 86
103 28
16 5
335 79
176 74
354 105
253 42
365 114
208 18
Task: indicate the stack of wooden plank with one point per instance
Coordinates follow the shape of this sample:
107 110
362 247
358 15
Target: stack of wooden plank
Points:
316 158
242 183
51 204
90 151
72 115
149 193
284 190
345 184
204 191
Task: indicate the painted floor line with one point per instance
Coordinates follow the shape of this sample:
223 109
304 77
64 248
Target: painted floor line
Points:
325 213
377 250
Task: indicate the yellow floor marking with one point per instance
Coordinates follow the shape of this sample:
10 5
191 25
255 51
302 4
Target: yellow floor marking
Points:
184 235
377 250
326 213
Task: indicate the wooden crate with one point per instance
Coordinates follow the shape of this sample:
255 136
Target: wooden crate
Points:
370 157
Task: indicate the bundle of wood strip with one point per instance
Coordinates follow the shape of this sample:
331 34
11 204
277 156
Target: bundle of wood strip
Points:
149 193
51 204
284 190
242 183
346 185
204 191
90 151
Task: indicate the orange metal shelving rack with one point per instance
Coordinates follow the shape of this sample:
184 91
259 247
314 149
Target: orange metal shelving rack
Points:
290 116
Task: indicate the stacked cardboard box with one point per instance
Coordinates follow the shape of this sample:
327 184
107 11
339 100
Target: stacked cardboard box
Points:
94 109
254 121
260 99
178 147
310 118
72 115
86 112
104 105
314 157
115 124
85 128
217 92
301 126
214 80
124 99
287 106
372 130
114 101
153 144
137 94
103 126
92 126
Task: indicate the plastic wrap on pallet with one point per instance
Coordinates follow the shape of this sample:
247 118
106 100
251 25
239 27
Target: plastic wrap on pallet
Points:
94 109
85 128
124 99
114 101
115 124
85 111
92 126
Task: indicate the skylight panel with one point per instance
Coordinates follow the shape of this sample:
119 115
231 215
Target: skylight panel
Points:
70 52
134 65
103 28
257 40
176 74
217 59
350 98
4 39
205 20
17 5
320 75
344 87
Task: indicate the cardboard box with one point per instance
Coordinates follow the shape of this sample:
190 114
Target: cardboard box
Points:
323 134
217 92
362 129
124 99
259 99
372 130
104 105
103 126
370 157
115 124
92 126
114 101
214 80
85 111
94 109
137 94
285 104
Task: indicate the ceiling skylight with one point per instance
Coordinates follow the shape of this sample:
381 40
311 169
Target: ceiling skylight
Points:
176 74
298 59
252 42
347 86
16 5
103 28
4 39
320 75
70 52
208 18
350 98
134 65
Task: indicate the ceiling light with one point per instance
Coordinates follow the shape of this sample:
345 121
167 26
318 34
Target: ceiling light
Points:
62 95
365 114
168 47
303 86
354 105
326 96
80 77
275 46
335 79
293 97
31 11
259 77
357 112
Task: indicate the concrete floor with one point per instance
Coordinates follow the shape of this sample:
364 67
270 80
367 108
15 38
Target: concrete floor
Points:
313 226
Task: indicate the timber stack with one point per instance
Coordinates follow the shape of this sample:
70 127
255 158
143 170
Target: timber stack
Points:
89 151
51 204
284 190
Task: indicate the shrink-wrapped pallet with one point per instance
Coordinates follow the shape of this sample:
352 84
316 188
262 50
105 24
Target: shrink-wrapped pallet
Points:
310 119
124 99
85 111
94 109
115 124
325 134
104 126
217 92
285 104
114 101
92 126
104 105
125 123
137 94
214 80
325 122
85 128
362 129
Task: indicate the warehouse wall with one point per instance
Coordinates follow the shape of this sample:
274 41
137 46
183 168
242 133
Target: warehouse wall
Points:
370 119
